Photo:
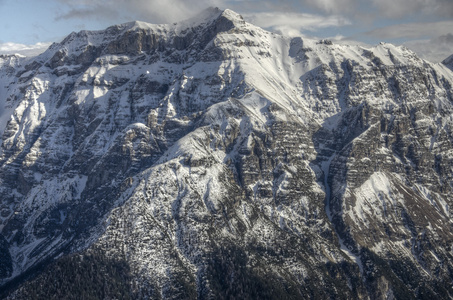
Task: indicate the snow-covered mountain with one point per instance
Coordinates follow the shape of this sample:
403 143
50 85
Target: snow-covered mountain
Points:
213 159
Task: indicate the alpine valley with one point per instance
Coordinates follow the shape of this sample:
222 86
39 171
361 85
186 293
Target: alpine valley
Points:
211 159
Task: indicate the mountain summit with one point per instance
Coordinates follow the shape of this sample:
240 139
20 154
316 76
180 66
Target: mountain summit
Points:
213 159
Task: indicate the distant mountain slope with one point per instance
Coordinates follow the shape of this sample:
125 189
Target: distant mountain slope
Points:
448 62
211 158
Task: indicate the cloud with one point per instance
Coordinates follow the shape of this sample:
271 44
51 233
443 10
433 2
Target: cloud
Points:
413 30
294 23
386 8
332 6
155 11
87 13
435 49
401 8
27 50
278 18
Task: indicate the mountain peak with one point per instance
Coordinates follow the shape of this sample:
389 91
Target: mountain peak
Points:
208 16
205 16
117 39
135 25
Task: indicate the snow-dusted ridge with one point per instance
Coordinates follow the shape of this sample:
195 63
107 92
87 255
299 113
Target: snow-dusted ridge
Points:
294 166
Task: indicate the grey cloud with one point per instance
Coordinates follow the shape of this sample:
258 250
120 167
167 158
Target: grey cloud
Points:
446 39
332 6
412 30
435 49
382 8
87 13
254 6
155 11
401 8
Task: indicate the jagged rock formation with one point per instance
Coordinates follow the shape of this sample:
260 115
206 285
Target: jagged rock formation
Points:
212 159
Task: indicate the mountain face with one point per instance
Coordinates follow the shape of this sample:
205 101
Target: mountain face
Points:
212 159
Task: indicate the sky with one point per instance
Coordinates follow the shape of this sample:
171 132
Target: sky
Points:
424 26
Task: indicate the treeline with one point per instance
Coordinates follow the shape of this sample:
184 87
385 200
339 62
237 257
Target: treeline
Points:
90 275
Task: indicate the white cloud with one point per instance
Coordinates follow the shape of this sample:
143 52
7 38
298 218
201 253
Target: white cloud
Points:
27 50
434 50
294 23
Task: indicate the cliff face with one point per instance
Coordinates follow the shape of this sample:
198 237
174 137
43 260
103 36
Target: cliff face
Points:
213 159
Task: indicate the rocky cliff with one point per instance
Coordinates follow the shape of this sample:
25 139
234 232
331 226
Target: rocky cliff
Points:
213 159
